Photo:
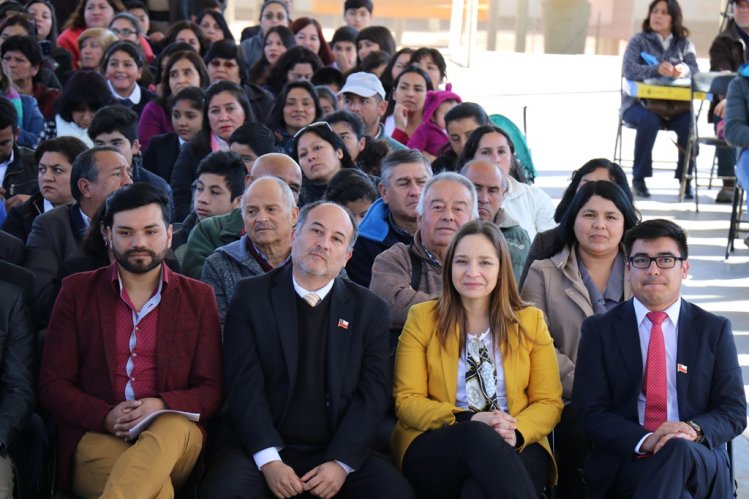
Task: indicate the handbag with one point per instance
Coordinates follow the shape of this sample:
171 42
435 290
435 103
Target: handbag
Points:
666 109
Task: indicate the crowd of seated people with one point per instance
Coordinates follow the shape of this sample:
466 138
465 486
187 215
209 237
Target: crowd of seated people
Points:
280 265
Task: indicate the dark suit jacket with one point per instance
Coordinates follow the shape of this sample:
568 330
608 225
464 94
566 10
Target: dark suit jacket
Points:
11 248
21 176
608 381
54 237
77 378
162 154
261 357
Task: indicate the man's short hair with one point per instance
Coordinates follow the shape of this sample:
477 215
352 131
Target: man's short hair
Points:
286 193
399 157
352 119
8 114
452 177
304 212
70 147
256 136
225 164
343 34
115 118
84 166
654 229
134 196
467 110
26 45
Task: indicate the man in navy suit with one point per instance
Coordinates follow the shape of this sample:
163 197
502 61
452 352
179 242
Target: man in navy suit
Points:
657 382
306 370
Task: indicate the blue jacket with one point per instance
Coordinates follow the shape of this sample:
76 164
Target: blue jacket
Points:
32 122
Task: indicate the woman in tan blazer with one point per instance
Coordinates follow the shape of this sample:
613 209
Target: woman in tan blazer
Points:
476 385
585 276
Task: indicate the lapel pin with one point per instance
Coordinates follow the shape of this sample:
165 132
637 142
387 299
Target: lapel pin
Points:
681 368
342 324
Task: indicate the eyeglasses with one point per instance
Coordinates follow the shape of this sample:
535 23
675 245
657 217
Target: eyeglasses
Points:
228 64
123 31
661 261
313 125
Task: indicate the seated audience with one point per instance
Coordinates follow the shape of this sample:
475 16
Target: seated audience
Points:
357 14
365 151
308 33
219 231
328 99
278 40
321 154
658 431
126 26
18 180
399 61
343 46
100 380
251 141
364 96
92 45
22 61
430 60
56 235
218 190
11 248
29 120
595 169
430 137
185 32
392 218
296 64
182 70
491 187
226 109
83 95
186 115
123 67
405 109
314 431
117 126
529 205
214 26
352 189
405 275
460 122
476 392
296 107
374 38
269 214
272 13
585 276
54 159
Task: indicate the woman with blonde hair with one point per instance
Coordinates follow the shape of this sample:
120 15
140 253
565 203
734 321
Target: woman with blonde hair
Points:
477 389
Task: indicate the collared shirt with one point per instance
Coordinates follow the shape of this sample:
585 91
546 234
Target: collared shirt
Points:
135 340
48 206
431 256
85 218
670 328
666 42
269 454
460 393
614 291
4 167
134 96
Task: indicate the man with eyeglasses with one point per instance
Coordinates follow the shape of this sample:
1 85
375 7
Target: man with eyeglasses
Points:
657 383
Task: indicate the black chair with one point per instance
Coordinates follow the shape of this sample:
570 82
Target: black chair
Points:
710 83
738 217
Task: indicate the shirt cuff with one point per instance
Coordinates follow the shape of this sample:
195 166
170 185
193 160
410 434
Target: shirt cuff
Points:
265 456
639 444
348 469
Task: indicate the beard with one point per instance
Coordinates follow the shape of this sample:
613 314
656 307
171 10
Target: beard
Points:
141 264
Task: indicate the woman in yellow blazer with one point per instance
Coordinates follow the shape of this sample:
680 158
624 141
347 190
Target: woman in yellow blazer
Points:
477 386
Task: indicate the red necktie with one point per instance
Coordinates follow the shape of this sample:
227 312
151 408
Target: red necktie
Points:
656 382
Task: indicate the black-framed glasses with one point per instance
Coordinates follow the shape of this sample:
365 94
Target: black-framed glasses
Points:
313 125
661 261
123 31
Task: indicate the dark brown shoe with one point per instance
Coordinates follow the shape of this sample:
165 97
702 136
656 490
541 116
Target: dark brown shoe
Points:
640 188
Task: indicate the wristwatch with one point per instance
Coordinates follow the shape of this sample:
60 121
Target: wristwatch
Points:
698 429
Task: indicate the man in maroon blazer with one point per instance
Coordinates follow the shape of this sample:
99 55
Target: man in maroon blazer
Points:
124 342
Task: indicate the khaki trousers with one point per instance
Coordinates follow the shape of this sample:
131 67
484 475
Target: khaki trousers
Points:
164 454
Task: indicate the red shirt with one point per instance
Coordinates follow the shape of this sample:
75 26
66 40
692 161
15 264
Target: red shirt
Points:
135 339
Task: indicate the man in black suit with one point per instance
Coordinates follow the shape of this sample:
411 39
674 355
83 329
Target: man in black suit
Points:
11 248
18 172
657 382
306 371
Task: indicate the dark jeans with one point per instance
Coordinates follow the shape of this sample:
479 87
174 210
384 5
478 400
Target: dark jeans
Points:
648 124
471 461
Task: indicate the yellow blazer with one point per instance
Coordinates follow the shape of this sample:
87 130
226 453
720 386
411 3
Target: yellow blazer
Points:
426 378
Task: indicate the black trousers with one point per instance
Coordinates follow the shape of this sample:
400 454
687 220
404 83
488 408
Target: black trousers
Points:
471 461
571 450
681 469
233 474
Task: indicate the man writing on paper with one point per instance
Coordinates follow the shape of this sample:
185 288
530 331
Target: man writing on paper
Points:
125 341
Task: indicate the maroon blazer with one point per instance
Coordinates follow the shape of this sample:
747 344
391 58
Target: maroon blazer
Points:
78 366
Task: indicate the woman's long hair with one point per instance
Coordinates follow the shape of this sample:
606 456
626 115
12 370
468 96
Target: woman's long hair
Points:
565 234
260 72
504 301
324 53
472 147
677 18
616 174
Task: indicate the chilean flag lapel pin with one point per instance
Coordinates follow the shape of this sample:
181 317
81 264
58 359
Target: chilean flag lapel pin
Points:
681 368
342 324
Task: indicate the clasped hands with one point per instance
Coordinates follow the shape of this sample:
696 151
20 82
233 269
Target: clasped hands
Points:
664 433
322 481
501 422
129 413
669 70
